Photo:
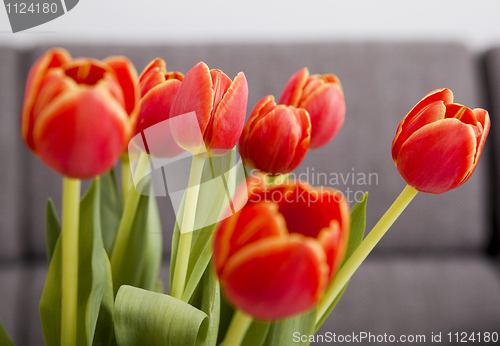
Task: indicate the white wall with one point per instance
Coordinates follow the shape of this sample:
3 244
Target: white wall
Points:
475 23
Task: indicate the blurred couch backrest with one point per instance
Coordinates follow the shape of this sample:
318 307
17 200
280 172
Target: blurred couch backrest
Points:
381 81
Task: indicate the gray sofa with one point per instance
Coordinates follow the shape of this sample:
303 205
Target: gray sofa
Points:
436 271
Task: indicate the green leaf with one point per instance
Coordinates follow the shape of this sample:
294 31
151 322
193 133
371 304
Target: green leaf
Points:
210 304
154 248
52 229
162 320
356 235
256 334
111 209
131 269
92 276
104 332
4 338
281 333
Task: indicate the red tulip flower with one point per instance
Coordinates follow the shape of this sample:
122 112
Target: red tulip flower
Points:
438 144
218 108
77 114
275 257
276 137
158 90
322 97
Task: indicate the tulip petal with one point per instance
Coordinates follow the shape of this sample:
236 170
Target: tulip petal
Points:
276 277
229 117
326 107
53 58
309 210
127 77
157 63
334 242
304 122
432 112
292 93
154 109
444 95
272 141
253 223
438 157
54 83
461 113
264 106
483 128
195 95
151 79
68 138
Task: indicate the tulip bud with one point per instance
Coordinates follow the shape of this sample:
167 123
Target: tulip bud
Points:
276 137
158 89
218 105
438 143
275 257
322 97
77 113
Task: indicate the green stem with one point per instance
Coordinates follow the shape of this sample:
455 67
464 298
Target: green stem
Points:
345 273
126 176
187 227
237 329
70 225
123 233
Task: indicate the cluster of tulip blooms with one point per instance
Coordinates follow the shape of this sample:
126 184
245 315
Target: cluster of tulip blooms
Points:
278 264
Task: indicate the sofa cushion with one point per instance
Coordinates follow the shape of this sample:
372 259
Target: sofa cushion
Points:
492 74
10 142
382 82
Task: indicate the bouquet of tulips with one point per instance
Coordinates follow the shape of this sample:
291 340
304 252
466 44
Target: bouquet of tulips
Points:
256 255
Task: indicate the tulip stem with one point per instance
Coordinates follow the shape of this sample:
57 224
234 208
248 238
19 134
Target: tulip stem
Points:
126 176
187 227
123 234
358 256
70 226
237 329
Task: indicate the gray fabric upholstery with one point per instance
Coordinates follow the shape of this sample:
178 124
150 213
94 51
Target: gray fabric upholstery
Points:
10 244
408 296
382 82
427 275
10 295
492 74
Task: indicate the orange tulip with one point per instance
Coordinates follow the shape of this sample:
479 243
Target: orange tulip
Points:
218 105
275 257
77 114
438 143
276 137
158 90
322 97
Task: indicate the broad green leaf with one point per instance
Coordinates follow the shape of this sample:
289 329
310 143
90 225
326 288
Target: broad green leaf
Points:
356 235
133 262
4 338
92 276
154 248
52 229
111 209
256 334
160 319
210 304
281 333
104 332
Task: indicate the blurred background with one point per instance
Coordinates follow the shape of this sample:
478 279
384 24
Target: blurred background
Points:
474 23
436 271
